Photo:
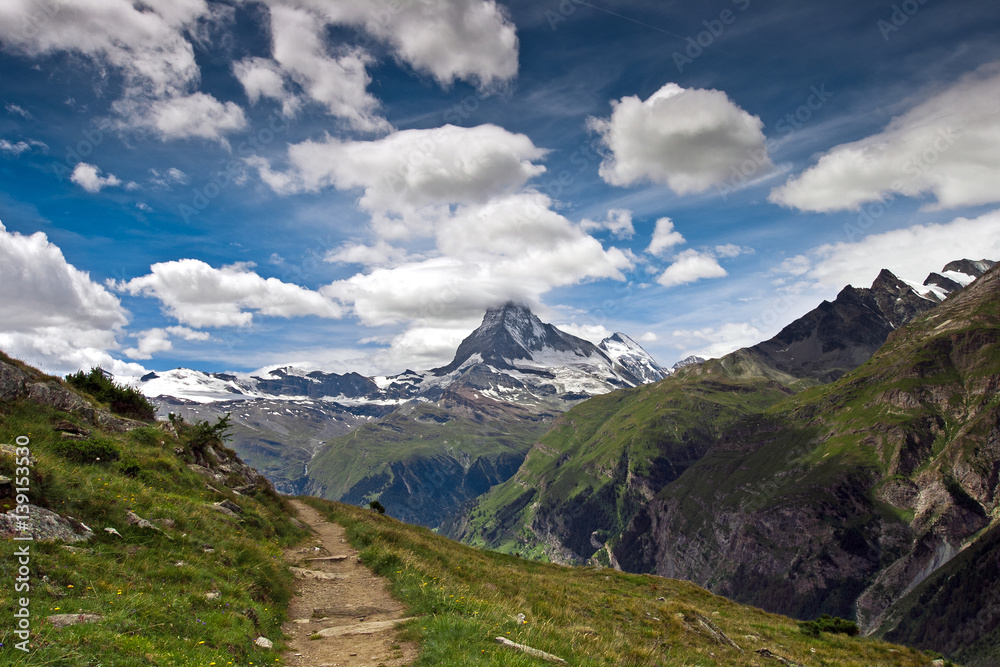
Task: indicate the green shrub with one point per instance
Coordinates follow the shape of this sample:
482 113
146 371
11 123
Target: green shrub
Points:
93 450
377 506
827 623
122 400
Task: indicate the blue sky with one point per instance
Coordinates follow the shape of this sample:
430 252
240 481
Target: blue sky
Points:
348 185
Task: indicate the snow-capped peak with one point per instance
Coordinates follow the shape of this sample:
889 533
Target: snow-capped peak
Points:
633 359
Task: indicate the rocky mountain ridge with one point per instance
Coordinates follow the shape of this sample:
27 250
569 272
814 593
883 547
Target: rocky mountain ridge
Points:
513 374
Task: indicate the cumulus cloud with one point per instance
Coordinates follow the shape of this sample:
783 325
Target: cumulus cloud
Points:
339 82
261 78
54 315
618 222
147 43
471 40
664 238
512 247
690 266
195 115
199 295
88 177
689 139
412 169
152 341
948 146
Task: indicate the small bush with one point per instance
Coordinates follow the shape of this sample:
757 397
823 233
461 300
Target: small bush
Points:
377 506
129 466
827 623
94 450
124 401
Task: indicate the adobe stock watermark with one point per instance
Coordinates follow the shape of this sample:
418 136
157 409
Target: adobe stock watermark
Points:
914 167
32 24
714 29
900 16
564 10
22 552
759 158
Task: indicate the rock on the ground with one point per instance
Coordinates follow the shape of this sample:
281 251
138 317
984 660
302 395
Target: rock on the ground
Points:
62 620
43 525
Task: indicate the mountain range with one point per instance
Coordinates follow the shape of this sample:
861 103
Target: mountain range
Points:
758 477
509 378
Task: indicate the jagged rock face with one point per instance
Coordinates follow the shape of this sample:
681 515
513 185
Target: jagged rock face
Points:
839 336
969 267
512 332
317 384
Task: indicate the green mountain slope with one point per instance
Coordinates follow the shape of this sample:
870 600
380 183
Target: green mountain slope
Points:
424 460
192 574
584 480
844 497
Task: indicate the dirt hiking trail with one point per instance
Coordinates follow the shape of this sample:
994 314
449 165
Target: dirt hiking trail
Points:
339 602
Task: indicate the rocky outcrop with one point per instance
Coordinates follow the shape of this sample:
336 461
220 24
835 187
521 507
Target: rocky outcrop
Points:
16 383
42 525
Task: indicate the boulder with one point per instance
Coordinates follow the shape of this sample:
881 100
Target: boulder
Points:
43 525
13 382
62 620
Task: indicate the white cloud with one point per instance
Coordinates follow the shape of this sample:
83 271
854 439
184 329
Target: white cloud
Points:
688 139
664 237
156 340
513 247
54 315
379 254
167 179
411 170
714 342
196 294
948 146
595 333
13 149
88 177
147 43
910 253
473 40
195 115
731 250
618 222
338 82
798 265
648 337
261 77
19 111
690 266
